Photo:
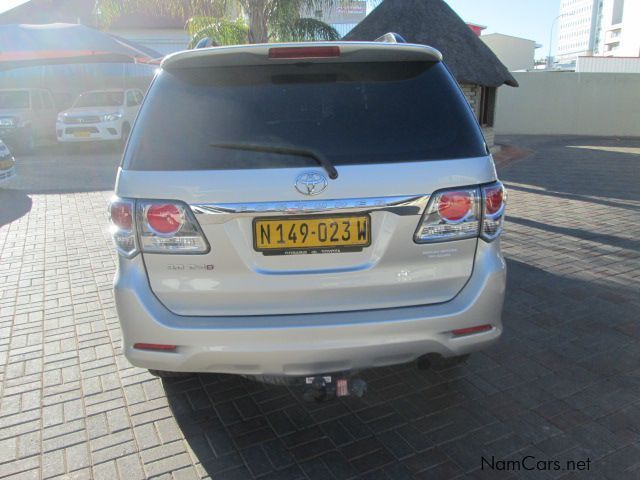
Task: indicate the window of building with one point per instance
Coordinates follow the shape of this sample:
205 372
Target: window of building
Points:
487 106
618 8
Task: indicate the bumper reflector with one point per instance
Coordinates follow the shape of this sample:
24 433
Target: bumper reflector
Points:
155 346
472 330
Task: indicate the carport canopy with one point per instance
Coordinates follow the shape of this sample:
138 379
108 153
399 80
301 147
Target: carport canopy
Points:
64 43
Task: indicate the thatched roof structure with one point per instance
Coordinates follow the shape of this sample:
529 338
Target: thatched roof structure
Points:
434 23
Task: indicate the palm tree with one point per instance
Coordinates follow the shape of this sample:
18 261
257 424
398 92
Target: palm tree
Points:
267 19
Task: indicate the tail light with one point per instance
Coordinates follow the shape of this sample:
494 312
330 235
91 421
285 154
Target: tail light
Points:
122 226
168 227
494 199
155 227
165 218
463 213
450 215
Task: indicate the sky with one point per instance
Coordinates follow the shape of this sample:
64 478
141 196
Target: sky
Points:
530 19
6 5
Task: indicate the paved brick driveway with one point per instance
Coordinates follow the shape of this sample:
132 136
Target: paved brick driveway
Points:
564 383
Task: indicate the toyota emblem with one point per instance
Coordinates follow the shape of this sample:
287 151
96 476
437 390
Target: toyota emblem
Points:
311 183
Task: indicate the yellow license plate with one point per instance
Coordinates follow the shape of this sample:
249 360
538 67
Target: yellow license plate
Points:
312 233
6 164
82 134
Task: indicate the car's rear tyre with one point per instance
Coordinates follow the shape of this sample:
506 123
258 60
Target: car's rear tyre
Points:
165 374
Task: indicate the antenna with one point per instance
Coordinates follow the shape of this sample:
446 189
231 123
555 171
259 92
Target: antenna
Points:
391 37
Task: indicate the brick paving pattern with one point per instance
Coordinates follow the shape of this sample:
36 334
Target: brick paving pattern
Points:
563 384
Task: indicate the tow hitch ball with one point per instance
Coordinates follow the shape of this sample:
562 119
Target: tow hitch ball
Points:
326 387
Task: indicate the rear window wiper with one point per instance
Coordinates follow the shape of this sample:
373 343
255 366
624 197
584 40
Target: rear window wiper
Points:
284 150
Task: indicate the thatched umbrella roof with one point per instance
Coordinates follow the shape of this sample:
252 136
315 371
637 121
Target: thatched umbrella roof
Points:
434 23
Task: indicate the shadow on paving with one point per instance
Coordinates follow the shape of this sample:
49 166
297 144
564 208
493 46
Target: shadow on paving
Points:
60 169
577 167
13 205
582 234
561 385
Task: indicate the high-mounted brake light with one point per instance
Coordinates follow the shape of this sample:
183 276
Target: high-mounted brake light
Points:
304 52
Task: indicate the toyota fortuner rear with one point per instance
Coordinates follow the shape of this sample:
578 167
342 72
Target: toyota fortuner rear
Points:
297 209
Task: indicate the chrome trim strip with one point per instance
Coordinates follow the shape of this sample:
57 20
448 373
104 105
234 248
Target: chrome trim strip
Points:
399 205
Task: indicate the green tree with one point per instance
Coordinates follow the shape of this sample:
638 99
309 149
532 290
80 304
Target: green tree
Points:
220 30
267 20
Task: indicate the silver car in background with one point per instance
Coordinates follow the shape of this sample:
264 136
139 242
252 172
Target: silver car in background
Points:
294 210
27 116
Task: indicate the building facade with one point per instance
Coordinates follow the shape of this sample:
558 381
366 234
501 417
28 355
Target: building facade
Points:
514 52
578 29
620 28
598 27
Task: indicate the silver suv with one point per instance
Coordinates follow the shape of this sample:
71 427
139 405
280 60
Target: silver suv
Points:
27 115
294 210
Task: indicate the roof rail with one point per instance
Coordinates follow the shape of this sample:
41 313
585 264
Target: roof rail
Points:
391 37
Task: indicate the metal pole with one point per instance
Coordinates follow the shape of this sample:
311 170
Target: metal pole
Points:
549 62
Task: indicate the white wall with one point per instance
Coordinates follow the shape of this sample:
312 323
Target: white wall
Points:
516 53
608 64
569 103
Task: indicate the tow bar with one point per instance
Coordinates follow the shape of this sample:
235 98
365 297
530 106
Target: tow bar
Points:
321 388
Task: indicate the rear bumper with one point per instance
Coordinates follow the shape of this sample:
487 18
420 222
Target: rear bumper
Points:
96 132
294 345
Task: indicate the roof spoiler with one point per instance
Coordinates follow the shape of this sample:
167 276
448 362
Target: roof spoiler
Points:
391 37
258 54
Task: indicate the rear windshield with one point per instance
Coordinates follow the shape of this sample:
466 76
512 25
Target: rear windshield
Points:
100 99
352 113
